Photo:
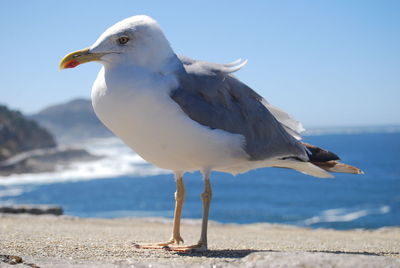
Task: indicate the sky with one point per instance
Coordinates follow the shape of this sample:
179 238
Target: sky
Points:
328 63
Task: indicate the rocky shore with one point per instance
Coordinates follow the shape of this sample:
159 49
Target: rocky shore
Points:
60 241
28 147
32 209
44 160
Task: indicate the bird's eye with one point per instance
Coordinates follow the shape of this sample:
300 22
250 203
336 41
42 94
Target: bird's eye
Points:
123 40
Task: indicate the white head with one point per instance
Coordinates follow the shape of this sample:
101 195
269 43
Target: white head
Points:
137 40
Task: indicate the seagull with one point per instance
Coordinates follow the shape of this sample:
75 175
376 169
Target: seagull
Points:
187 115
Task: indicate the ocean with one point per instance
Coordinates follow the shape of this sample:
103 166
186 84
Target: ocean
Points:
122 185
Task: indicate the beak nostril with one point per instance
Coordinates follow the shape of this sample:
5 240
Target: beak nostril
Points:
77 55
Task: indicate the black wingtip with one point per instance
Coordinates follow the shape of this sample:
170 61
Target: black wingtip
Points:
317 154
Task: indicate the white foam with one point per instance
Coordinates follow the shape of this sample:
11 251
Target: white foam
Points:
344 215
118 160
11 191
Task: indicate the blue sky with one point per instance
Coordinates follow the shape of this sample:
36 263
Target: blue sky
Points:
328 63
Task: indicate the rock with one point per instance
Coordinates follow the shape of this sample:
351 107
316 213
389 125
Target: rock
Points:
14 260
44 160
26 147
32 209
19 134
72 121
11 259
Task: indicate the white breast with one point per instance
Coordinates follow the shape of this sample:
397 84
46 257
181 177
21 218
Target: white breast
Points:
137 108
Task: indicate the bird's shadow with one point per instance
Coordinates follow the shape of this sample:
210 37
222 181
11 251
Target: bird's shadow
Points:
241 253
223 253
354 252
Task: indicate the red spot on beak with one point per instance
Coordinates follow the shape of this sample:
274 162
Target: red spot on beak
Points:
71 64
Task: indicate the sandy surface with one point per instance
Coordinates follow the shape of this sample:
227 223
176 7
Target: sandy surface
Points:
50 241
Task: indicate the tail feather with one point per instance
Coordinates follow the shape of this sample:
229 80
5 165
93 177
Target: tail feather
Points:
319 164
335 166
303 167
328 161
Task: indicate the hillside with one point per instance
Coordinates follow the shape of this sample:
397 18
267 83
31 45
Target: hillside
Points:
19 134
71 121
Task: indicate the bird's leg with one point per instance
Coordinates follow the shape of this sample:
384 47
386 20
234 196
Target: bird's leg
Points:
179 199
206 198
176 238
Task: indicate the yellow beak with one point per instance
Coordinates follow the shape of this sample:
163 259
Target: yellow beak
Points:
73 59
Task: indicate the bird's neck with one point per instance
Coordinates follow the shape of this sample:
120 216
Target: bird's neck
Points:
163 64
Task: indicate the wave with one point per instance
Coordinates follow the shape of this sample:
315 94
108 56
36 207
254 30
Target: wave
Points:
117 160
344 215
11 191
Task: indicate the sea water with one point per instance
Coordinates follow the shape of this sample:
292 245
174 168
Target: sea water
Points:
121 184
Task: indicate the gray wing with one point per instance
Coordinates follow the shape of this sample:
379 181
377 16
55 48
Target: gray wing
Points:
291 125
212 97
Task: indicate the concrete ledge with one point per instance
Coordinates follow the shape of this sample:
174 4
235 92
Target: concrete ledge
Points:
62 241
